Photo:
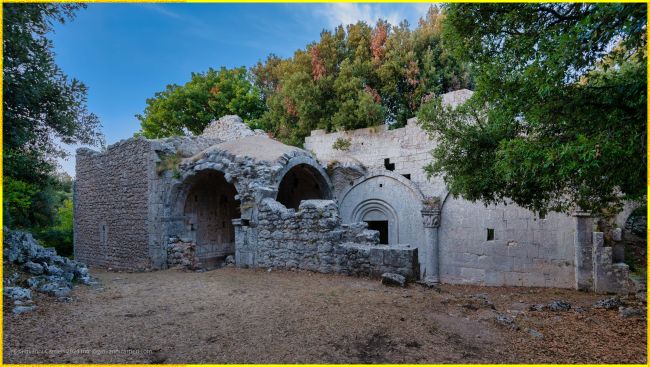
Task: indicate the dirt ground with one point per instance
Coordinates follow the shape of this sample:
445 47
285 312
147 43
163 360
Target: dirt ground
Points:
253 316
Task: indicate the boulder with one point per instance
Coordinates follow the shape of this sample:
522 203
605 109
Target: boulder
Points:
506 321
49 268
33 268
53 270
612 303
391 279
230 260
559 305
627 312
23 309
19 246
56 289
18 293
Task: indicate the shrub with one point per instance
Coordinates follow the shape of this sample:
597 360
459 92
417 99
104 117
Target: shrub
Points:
342 144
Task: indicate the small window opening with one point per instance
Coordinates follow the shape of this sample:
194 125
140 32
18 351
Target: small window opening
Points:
381 185
382 227
490 234
407 176
389 166
351 183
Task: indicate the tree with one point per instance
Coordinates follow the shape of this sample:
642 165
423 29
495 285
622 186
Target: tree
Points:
357 76
558 117
42 107
206 97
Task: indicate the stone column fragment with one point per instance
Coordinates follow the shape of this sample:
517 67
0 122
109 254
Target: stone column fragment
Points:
431 220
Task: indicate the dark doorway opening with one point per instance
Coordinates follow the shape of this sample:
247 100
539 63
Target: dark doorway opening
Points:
209 210
302 182
382 227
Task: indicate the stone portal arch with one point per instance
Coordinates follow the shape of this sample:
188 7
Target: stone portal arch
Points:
380 216
386 196
205 206
302 179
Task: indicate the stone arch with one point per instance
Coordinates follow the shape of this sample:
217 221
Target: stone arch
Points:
203 207
389 195
374 212
302 178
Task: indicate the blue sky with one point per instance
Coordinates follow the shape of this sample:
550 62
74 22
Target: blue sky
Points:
124 53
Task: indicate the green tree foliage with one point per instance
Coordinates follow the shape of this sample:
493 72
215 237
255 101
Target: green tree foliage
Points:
357 76
206 97
42 108
41 105
60 235
558 118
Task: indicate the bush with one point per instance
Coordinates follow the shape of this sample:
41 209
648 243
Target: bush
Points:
342 144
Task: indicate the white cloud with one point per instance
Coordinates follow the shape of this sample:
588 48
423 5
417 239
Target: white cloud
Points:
350 13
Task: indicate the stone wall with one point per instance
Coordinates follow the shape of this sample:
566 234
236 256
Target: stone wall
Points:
526 250
314 239
111 211
407 148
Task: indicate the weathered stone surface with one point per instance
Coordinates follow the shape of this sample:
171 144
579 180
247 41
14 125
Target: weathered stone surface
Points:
611 303
182 255
506 321
303 240
229 127
392 279
18 293
627 312
537 307
23 309
33 268
380 180
54 274
559 305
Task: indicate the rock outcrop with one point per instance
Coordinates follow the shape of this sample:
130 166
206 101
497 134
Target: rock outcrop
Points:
49 273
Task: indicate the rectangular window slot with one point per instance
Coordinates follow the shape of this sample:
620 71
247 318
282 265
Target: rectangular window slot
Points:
490 234
389 166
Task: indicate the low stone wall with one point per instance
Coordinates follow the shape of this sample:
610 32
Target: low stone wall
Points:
314 239
608 276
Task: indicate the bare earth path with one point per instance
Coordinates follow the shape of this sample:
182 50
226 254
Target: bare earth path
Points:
255 316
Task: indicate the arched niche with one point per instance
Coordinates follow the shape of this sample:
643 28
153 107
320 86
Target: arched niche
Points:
386 196
208 208
302 180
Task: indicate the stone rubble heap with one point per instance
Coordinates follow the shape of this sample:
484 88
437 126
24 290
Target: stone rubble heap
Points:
313 238
181 254
50 273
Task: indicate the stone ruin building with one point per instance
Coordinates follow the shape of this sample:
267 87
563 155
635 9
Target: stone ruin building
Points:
233 194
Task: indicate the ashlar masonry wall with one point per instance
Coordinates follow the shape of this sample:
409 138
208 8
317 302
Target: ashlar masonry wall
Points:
524 250
405 151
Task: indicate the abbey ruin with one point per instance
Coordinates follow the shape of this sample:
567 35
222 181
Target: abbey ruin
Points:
238 195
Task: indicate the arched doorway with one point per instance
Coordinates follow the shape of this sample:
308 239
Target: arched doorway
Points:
302 182
210 206
380 216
